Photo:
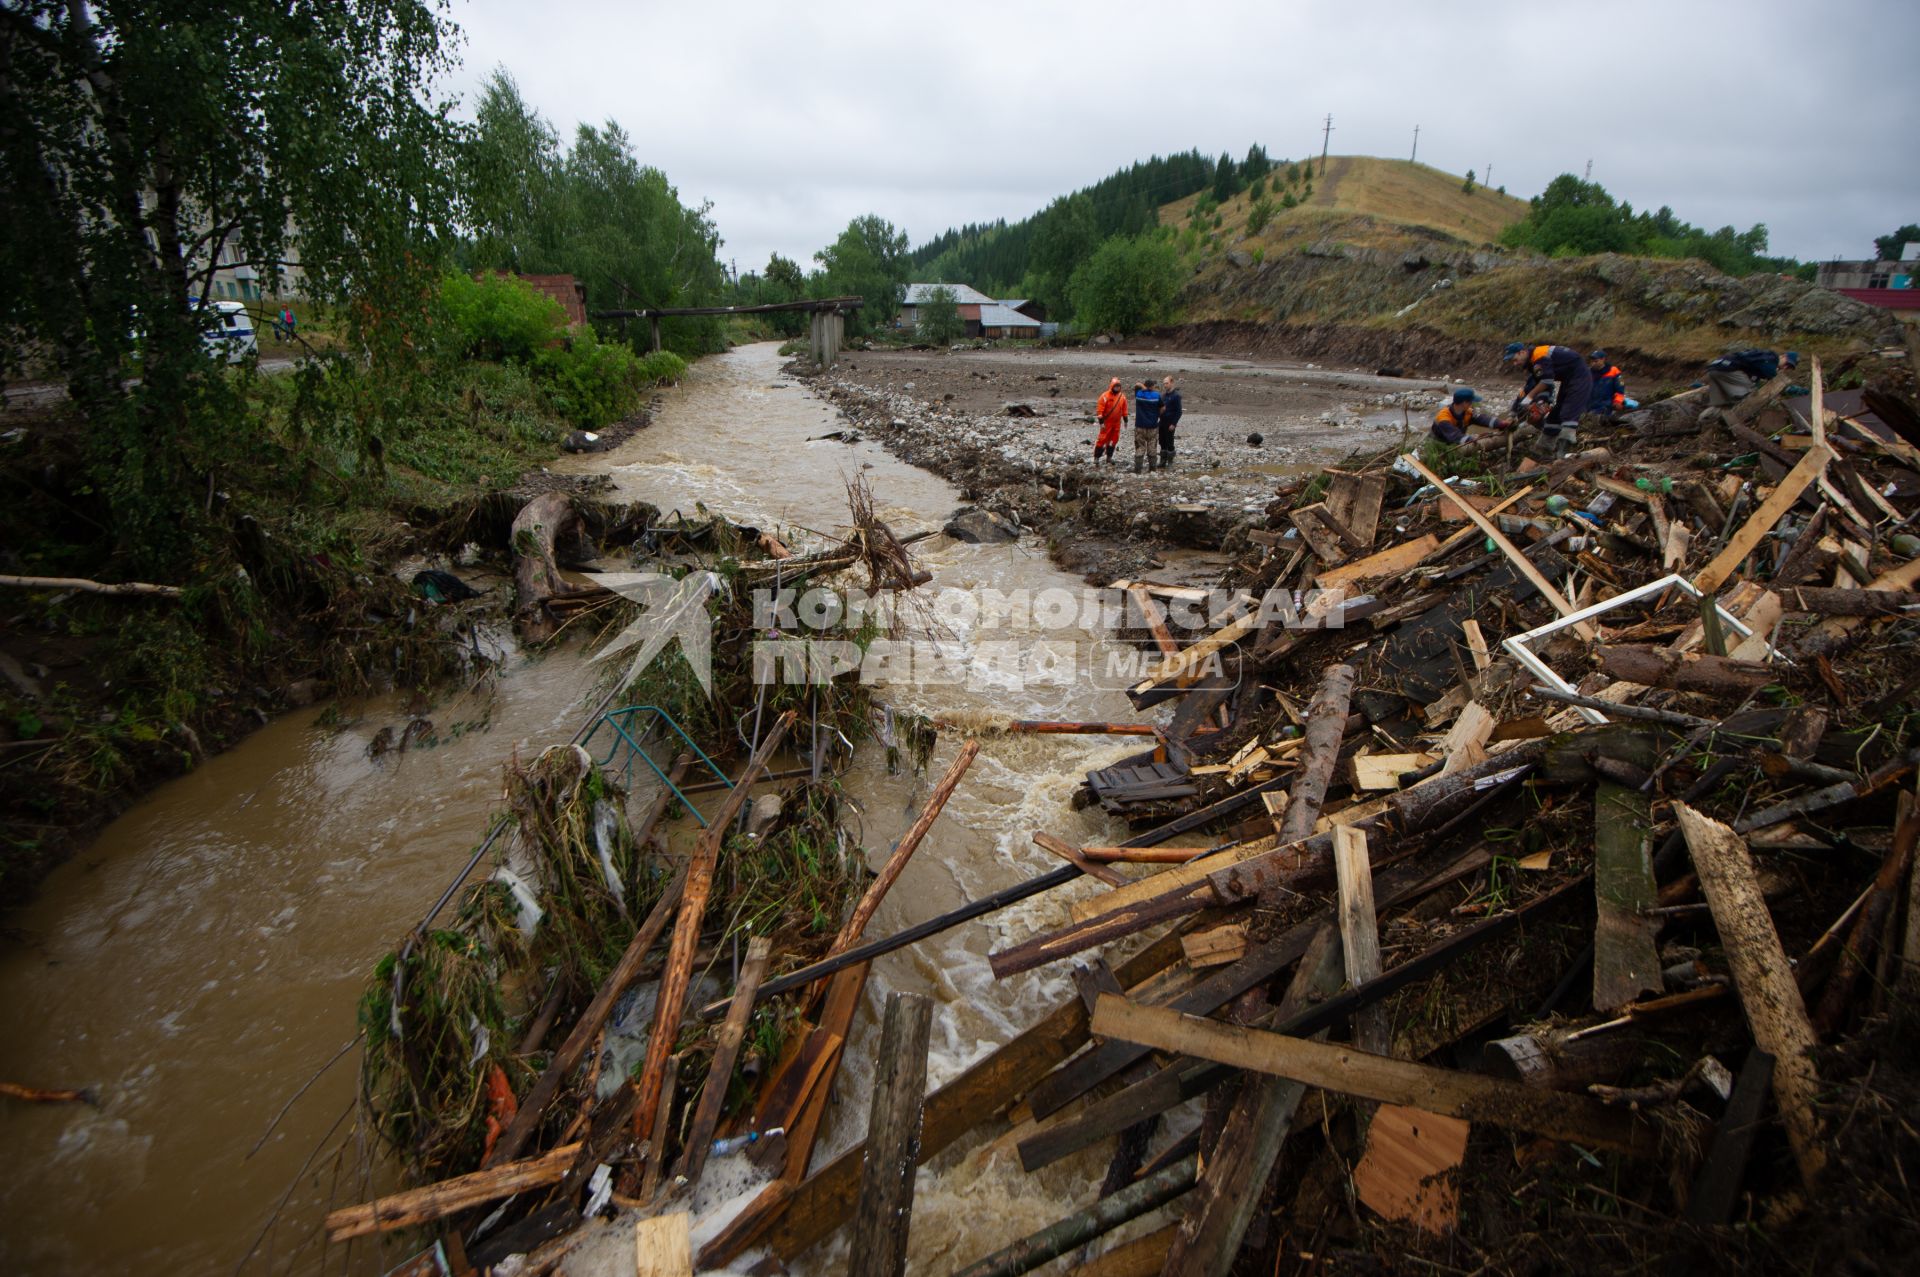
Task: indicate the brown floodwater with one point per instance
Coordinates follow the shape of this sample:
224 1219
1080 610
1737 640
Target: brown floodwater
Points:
206 954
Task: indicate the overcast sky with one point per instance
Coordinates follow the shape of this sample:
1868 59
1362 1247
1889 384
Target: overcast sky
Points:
793 117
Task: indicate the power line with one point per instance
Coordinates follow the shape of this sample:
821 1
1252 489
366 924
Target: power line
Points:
1416 144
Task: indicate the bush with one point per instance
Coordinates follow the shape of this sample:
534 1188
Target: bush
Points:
1259 215
499 317
590 382
1127 285
661 367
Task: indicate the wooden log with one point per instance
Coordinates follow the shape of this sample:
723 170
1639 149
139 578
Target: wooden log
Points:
540 526
882 1221
1145 855
415 1206
1825 601
1763 977
657 1136
1346 1071
534 1107
1626 961
1235 1177
1521 562
824 1200
121 589
674 981
1755 529
1079 729
1326 726
1105 1215
1561 1060
1718 1183
1686 671
1359 935
726 1049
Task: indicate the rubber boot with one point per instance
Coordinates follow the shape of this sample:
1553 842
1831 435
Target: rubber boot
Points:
1139 463
1153 462
1166 461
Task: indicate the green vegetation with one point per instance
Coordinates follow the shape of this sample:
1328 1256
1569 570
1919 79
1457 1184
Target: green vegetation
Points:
1887 248
938 316
1574 218
869 260
1127 285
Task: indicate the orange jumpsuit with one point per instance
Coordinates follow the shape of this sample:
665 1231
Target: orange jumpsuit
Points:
1112 411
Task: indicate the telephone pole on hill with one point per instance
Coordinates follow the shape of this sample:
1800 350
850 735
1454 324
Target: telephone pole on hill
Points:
1415 158
1488 179
1325 137
1589 170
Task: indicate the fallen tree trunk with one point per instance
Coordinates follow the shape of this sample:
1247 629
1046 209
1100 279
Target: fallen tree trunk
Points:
436 1201
119 588
1828 601
542 524
1326 725
1685 671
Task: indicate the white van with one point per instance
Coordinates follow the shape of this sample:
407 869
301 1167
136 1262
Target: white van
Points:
232 334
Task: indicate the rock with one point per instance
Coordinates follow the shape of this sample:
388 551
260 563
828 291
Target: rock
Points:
760 817
584 441
1256 439
1101 340
303 692
1241 258
979 527
1018 410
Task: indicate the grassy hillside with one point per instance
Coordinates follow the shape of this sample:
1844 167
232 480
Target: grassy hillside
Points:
1390 191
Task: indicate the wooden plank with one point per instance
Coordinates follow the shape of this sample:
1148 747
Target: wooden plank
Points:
1762 976
1155 618
1073 856
1521 562
1155 885
1359 936
423 1205
1216 946
1317 534
1771 511
663 1246
1191 660
1466 742
1476 644
1383 771
1405 1173
1718 1183
1388 562
1355 501
1626 961
883 1220
726 1050
1466 534
1141 1257
1346 1071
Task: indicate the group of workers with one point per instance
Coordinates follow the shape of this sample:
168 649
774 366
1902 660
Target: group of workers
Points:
1156 412
1562 388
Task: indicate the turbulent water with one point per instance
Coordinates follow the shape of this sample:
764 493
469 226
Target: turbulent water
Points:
206 954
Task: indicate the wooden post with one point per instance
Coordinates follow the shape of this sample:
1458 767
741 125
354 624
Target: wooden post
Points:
657 1139
686 930
1359 934
1625 960
881 1224
726 1050
1762 975
653 323
1771 511
1719 1180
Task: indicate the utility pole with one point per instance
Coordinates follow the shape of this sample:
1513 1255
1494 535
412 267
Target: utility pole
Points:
1589 170
1325 137
1488 179
1416 144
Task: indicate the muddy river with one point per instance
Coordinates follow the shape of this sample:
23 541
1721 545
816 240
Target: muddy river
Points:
205 955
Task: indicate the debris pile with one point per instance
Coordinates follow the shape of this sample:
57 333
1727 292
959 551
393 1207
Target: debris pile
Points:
1522 877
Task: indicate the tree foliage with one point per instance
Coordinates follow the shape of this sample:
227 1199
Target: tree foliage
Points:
868 260
145 144
1574 218
1887 248
1127 284
937 316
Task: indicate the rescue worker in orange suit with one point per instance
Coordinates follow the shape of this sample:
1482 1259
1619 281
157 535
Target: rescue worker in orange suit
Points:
1451 423
1573 382
1609 387
1112 411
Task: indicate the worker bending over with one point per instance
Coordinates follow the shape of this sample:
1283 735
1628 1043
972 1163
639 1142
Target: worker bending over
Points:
1573 383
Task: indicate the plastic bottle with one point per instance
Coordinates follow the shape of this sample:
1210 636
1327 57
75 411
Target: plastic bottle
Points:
1662 485
722 1148
1557 504
1601 503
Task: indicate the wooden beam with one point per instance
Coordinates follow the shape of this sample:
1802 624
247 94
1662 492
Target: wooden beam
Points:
1762 976
1521 562
1155 618
726 1050
1326 725
1347 1071
1771 511
1626 962
881 1224
1074 856
1468 533
1718 1183
663 1246
1389 562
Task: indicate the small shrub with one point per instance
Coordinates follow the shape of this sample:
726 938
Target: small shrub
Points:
662 366
1259 215
498 317
590 382
1259 254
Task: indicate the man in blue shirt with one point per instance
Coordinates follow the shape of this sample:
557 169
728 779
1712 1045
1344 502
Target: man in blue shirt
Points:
1733 377
1170 411
1146 426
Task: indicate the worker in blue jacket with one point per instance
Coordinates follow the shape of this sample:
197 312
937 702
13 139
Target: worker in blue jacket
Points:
1171 410
1609 387
1733 377
1146 426
1573 381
